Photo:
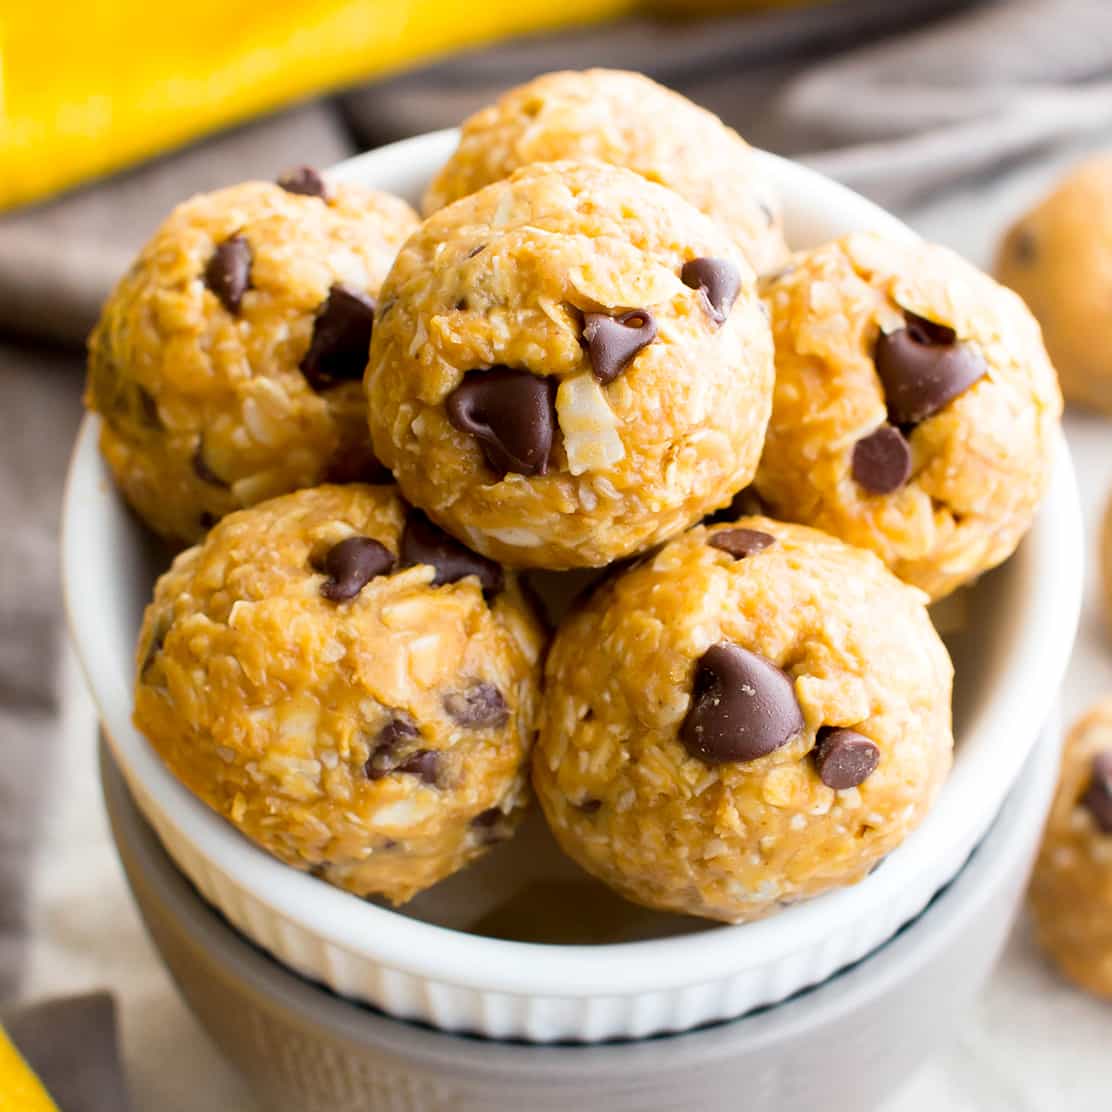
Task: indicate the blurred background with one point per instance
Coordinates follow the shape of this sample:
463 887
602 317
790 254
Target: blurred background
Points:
956 114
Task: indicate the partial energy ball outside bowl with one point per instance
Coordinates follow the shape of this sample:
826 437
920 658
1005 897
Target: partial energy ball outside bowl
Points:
916 412
624 119
349 687
1071 894
755 715
227 362
569 367
1058 258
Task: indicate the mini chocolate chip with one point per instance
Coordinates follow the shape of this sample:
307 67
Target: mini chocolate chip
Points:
612 342
148 408
228 273
201 468
1024 245
305 180
423 763
1097 799
844 758
511 413
740 543
923 367
742 707
424 543
475 250
718 280
589 806
882 460
488 817
341 338
461 305
480 707
351 564
394 734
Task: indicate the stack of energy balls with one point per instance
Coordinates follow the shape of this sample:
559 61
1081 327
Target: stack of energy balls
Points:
374 427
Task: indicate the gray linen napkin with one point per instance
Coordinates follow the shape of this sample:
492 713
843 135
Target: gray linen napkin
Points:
73 1047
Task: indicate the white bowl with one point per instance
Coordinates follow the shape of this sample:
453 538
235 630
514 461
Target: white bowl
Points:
1010 662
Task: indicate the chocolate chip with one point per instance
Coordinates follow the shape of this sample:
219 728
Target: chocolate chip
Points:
383 759
148 408
341 339
1024 245
844 758
228 273
489 817
480 707
305 180
475 250
1097 799
493 825
424 764
589 806
612 342
740 543
511 413
718 280
923 368
351 564
201 468
424 543
882 460
742 707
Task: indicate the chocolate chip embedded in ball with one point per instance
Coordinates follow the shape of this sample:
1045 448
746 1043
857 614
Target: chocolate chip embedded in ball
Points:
341 338
882 460
480 706
923 367
612 342
390 738
742 707
423 543
740 543
201 466
1097 799
844 758
351 564
718 280
228 273
306 181
511 413
424 764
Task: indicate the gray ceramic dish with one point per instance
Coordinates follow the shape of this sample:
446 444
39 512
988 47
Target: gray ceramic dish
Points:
841 1046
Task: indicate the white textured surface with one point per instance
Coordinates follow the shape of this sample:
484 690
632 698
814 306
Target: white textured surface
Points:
459 981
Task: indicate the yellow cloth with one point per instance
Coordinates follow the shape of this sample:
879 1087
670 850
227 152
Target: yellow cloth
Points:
20 1090
88 87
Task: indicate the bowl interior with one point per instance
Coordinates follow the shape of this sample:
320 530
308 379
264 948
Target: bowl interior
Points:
1009 659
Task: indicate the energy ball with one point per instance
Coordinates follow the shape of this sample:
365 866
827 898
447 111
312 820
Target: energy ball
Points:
1058 258
1071 893
916 413
351 688
755 715
626 120
227 363
569 366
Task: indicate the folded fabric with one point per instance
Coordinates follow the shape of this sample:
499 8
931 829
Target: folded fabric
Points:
96 86
72 1045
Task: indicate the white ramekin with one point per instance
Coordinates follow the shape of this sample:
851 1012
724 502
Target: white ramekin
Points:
1010 661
